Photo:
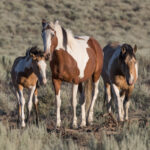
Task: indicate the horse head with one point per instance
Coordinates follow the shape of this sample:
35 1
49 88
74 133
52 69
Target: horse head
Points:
49 37
38 64
128 63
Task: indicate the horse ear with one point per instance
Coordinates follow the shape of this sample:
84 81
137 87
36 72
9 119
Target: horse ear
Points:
135 48
52 25
123 50
56 22
43 22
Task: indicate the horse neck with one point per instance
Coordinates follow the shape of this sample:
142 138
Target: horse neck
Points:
28 63
54 43
117 66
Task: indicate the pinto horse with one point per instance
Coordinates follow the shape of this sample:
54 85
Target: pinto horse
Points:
74 60
25 73
120 72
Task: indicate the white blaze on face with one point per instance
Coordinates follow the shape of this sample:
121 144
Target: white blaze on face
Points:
136 69
46 36
131 79
42 66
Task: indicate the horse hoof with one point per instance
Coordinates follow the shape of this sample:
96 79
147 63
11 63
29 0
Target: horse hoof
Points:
83 124
23 125
90 123
74 126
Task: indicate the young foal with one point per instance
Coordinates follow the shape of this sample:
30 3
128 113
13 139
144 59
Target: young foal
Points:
74 60
25 73
120 72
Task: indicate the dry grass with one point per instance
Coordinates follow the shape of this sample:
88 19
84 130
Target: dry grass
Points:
110 20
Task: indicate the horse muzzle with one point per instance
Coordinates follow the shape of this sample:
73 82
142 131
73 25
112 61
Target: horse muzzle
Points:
44 81
130 80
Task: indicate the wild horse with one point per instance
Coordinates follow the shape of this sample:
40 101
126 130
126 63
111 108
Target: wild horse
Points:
75 60
120 72
25 73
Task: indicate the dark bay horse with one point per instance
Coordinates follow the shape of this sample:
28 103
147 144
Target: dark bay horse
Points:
25 73
120 72
74 60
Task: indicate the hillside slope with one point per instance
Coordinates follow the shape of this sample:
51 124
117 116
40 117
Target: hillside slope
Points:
119 20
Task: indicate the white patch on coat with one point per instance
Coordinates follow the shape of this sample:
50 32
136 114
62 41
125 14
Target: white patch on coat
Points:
58 103
119 102
74 103
22 102
42 65
22 64
77 48
90 117
30 98
114 56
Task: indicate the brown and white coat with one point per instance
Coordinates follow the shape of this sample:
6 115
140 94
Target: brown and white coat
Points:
74 60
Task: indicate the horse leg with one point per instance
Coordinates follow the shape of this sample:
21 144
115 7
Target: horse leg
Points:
74 104
126 107
108 96
22 102
116 94
30 103
122 99
82 103
95 93
36 106
57 84
19 108
127 101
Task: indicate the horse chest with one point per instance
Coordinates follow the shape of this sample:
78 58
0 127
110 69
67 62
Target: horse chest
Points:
121 82
64 66
27 80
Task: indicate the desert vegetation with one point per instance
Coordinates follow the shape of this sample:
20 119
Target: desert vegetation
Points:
124 21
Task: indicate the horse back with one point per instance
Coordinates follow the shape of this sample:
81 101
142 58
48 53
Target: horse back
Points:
25 78
108 51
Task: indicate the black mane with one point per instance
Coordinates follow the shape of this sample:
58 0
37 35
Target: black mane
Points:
129 50
64 37
35 50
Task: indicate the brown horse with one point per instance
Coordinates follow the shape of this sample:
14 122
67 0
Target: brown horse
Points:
74 60
120 72
25 73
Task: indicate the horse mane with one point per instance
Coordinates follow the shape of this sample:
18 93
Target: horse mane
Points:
129 50
34 50
65 36
64 33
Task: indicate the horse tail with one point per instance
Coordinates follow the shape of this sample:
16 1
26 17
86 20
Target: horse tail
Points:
86 95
